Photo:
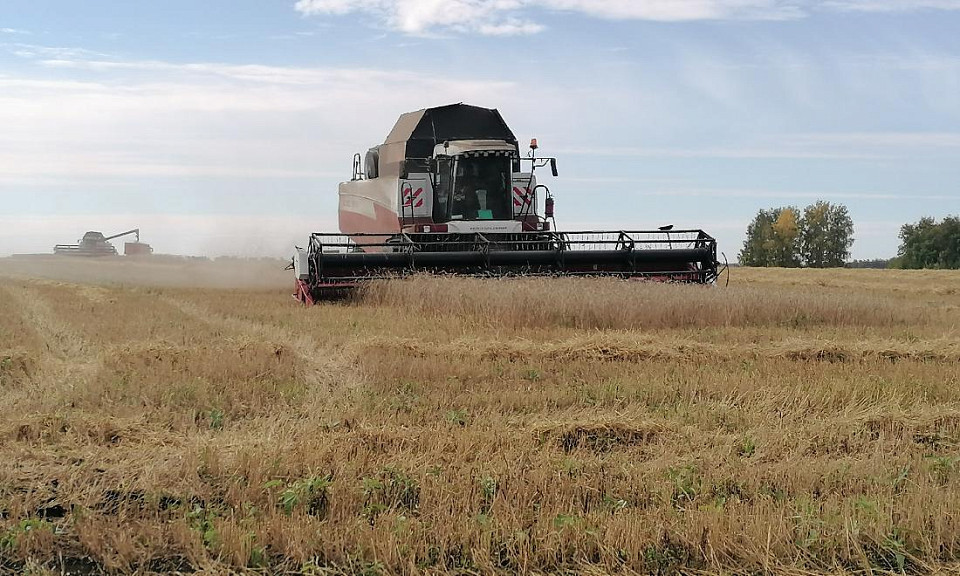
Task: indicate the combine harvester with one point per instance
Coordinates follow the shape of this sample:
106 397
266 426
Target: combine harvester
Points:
95 244
450 192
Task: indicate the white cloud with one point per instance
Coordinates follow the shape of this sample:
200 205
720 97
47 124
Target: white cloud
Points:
890 5
726 152
810 146
510 27
791 194
13 31
502 17
137 119
427 17
38 51
863 140
678 10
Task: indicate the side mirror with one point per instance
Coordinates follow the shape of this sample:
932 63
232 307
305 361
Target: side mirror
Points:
404 170
553 167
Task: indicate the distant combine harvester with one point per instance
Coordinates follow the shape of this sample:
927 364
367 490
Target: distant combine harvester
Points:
95 244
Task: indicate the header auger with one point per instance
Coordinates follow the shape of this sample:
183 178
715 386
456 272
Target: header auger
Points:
449 192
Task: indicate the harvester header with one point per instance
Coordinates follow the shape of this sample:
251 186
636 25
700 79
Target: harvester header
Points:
450 192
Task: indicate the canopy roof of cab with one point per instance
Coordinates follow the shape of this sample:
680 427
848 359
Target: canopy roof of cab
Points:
422 130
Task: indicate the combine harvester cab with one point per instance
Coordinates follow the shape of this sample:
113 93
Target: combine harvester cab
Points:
450 192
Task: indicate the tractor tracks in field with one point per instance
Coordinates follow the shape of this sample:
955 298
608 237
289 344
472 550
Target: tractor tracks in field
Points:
328 369
628 348
66 358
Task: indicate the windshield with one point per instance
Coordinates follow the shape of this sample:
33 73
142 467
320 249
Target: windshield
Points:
481 189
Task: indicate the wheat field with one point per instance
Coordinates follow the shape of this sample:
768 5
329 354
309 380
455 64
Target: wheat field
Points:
167 417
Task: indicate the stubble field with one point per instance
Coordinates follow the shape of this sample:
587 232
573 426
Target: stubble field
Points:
162 417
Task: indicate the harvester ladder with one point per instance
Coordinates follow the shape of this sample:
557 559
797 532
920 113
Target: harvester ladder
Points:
483 246
627 244
409 247
406 189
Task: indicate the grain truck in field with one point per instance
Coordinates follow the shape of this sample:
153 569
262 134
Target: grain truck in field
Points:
449 191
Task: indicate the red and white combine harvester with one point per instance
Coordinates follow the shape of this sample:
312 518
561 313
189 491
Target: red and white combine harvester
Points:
450 192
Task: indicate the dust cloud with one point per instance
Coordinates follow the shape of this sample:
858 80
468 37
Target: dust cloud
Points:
153 271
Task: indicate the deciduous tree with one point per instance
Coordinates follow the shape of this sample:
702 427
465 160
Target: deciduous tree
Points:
755 250
820 238
929 244
786 234
826 235
772 239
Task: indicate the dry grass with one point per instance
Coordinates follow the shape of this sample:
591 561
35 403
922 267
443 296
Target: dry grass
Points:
605 304
154 271
795 422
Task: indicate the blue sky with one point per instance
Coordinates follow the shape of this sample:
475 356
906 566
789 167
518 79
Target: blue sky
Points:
223 127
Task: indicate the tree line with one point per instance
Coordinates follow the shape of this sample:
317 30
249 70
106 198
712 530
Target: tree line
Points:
821 235
818 237
929 244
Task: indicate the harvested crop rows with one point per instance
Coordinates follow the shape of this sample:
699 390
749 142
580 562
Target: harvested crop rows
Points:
796 421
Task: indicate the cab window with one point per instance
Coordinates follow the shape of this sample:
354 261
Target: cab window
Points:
481 188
